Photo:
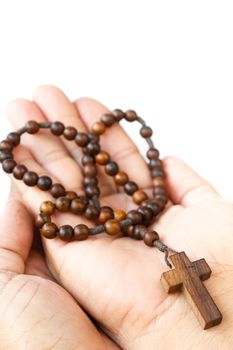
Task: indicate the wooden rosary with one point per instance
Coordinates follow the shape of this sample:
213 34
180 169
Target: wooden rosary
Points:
186 276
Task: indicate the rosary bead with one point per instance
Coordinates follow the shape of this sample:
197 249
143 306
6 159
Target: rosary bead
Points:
158 181
30 178
112 227
6 146
135 216
90 181
92 191
19 171
139 232
146 131
13 138
5 155
154 206
102 158
139 196
92 148
111 168
119 215
8 165
121 178
90 170
155 172
57 128
63 204
130 187
70 133
81 139
78 206
98 128
49 230
81 232
130 115
87 159
44 183
152 153
93 137
92 212
106 213
108 119
41 220
71 195
47 208
58 190
32 127
147 215
155 163
129 230
150 237
162 199
118 114
66 232
159 190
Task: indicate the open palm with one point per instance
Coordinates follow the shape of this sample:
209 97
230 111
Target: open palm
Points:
116 280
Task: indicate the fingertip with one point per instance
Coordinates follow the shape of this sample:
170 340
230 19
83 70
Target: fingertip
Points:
90 108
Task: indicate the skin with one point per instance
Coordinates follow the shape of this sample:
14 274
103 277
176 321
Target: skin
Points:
115 280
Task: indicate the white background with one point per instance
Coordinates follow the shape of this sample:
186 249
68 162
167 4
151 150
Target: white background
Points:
171 61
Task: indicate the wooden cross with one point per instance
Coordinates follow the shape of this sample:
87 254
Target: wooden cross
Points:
188 277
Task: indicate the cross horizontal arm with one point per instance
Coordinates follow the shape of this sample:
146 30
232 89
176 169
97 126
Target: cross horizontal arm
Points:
202 269
171 281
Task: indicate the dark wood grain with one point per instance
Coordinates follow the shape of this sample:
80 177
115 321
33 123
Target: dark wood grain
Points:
187 276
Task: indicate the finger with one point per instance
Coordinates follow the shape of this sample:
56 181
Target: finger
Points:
116 141
46 148
56 106
184 185
16 234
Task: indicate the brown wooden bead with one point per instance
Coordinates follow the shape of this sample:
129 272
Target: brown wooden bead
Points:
111 168
119 215
19 171
139 196
155 172
58 190
147 215
155 163
92 191
130 115
121 178
6 146
49 230
154 206
44 183
162 198
8 165
128 230
78 206
108 119
118 114
130 187
47 208
90 181
91 213
152 153
98 128
95 138
159 190
41 219
102 158
106 213
158 181
71 195
90 170
88 159
32 127
5 155
66 232
81 139
70 133
139 232
62 204
81 232
57 128
30 178
150 237
13 138
135 216
112 227
92 148
146 131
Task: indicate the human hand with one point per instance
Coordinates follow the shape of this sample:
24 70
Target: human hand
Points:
118 279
